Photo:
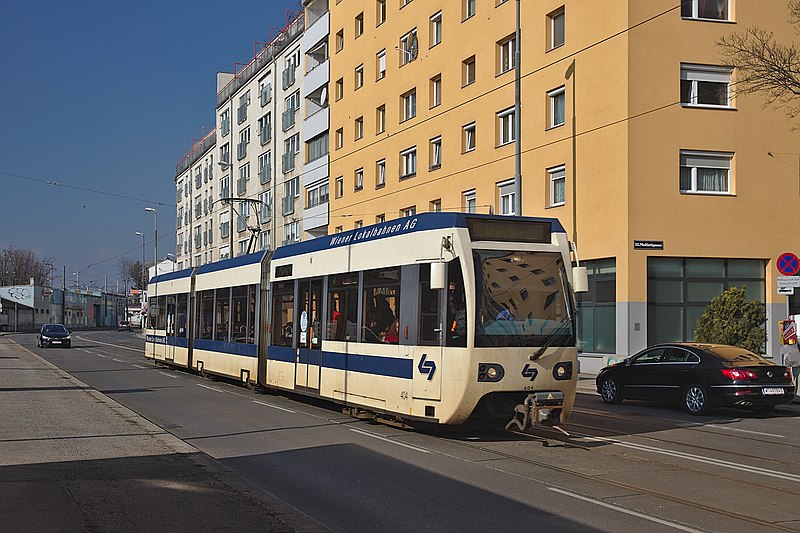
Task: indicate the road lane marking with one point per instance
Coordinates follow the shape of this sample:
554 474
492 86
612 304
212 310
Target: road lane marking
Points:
273 406
747 431
626 511
209 388
403 444
142 367
700 459
117 360
173 377
137 350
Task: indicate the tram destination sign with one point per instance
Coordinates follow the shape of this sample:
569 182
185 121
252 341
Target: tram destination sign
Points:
648 245
481 229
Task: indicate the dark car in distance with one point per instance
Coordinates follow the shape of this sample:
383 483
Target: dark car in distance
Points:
54 335
699 377
125 325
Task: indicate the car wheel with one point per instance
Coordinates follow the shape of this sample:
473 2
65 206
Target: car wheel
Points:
695 399
610 391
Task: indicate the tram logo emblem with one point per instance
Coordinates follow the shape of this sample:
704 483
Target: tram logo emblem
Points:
529 372
426 367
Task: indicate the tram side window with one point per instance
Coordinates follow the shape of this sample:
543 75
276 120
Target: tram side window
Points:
205 315
240 314
251 313
429 320
342 307
381 306
456 306
222 315
171 302
182 313
161 313
282 313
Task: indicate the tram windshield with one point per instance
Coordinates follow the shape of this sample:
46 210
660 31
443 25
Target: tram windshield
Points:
522 299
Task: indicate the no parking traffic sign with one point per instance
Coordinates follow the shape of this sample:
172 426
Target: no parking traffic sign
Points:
788 264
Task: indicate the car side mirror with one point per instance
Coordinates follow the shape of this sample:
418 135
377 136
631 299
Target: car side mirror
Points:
628 362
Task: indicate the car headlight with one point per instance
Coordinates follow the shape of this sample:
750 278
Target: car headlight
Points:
45 338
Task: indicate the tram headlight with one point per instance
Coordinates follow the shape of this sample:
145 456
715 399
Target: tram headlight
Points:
563 371
490 372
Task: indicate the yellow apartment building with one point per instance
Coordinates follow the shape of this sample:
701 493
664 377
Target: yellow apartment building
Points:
632 135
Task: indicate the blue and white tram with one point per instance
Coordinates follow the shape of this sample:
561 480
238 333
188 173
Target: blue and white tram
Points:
435 317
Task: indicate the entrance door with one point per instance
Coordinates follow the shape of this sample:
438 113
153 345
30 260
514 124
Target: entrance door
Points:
309 334
169 354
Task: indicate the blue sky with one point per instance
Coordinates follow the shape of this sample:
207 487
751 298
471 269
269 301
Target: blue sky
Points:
108 96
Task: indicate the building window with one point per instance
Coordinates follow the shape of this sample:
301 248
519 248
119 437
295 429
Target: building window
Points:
468 9
380 12
557 99
704 85
408 211
317 147
379 219
265 167
436 153
597 316
358 126
265 198
380 173
436 29
265 128
506 50
468 137
225 122
557 185
359 77
705 9
470 201
359 25
358 182
339 138
409 105
380 64
339 186
555 29
244 140
505 126
264 90
679 289
468 71
339 88
340 40
408 162
404 3
408 47
380 119
507 196
435 206
436 90
241 112
705 172
244 176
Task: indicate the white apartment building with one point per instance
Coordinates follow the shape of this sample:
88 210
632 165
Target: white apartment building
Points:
316 119
196 208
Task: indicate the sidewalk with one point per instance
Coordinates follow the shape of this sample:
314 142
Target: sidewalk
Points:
586 384
72 459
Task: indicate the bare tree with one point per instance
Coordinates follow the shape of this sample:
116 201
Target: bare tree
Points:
133 271
18 266
765 65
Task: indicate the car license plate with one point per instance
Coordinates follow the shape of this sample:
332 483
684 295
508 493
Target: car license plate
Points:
56 342
772 390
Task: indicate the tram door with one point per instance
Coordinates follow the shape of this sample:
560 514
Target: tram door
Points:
310 334
169 354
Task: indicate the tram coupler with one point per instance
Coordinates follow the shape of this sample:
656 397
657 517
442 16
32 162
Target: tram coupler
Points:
539 409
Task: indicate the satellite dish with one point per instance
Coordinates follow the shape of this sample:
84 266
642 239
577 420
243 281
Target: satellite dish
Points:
323 96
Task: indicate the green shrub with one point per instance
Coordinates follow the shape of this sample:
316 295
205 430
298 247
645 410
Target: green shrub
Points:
732 319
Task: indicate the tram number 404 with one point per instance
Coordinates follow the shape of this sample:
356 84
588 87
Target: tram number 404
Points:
404 395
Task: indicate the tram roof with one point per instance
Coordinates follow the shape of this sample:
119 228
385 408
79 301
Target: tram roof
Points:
400 226
233 262
178 274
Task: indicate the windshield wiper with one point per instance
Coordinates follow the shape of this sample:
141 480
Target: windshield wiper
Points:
551 337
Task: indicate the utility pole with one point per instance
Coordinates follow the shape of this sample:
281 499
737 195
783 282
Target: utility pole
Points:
517 120
64 296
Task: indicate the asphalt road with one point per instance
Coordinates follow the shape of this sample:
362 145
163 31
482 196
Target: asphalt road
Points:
629 467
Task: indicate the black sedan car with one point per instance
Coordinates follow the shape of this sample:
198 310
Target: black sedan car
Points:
699 377
54 335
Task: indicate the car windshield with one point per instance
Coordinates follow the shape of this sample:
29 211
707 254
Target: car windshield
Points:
521 299
736 356
54 328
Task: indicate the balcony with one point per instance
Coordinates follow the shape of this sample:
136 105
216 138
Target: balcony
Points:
288 76
224 230
265 135
287 205
241 150
266 213
264 175
265 96
241 114
288 161
288 118
241 186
